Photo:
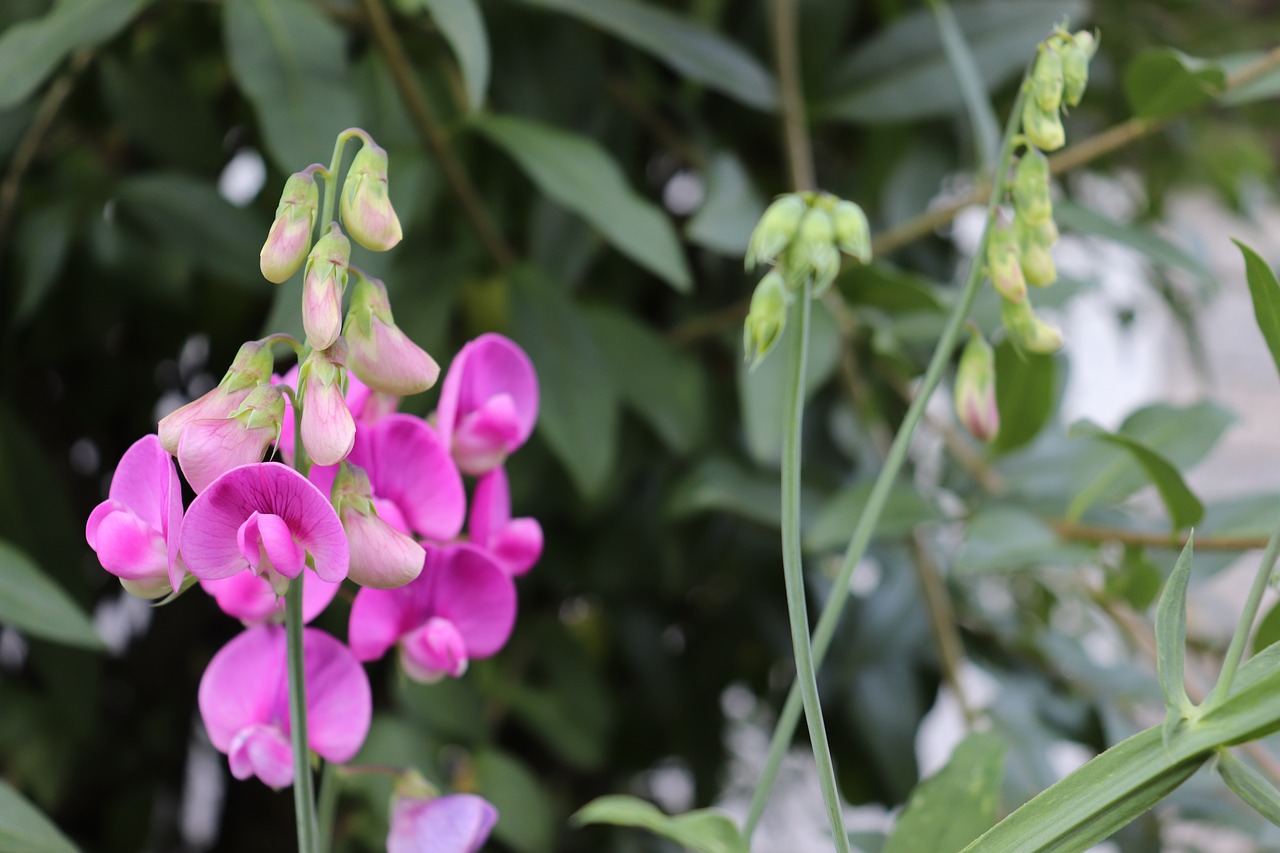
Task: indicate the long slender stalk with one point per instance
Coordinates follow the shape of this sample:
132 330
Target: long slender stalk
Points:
329 783
785 728
986 127
1235 652
304 803
795 127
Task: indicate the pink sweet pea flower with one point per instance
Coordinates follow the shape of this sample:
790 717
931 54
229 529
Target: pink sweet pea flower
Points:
250 368
135 531
381 556
457 823
251 599
266 518
244 701
210 447
328 428
514 543
488 403
367 407
462 607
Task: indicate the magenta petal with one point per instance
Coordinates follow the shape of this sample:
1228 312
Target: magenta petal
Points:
379 617
251 599
478 597
328 430
211 447
489 366
483 438
130 548
408 465
457 823
381 556
339 701
263 751
141 479
519 546
241 685
434 650
490 507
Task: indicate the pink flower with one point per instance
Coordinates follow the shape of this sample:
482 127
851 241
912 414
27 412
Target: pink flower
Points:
210 447
488 403
135 531
365 206
457 823
382 355
267 518
322 285
244 700
251 368
462 607
290 237
328 429
514 543
251 599
382 557
367 407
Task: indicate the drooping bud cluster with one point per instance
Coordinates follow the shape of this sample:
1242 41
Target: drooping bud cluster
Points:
802 236
1058 79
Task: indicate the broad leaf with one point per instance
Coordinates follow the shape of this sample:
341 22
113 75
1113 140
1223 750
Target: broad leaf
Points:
721 485
1171 641
1163 82
1025 391
529 818
903 510
1250 786
30 602
462 25
579 174
730 211
1005 538
44 237
24 829
704 831
955 806
1265 291
1268 630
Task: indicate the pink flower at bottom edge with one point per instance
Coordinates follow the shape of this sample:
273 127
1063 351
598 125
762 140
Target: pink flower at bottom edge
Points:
456 823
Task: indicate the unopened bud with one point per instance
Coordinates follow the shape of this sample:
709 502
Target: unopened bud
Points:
1046 78
366 206
766 318
328 429
814 253
381 355
210 447
1027 331
1002 260
1043 128
775 230
852 231
1075 66
381 556
975 393
322 288
250 368
1031 194
290 237
1037 261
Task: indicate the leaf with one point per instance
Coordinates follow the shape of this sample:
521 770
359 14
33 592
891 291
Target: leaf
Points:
705 830
730 211
903 510
579 174
25 829
44 238
1265 291
1005 538
1164 82
1184 507
529 819
31 50
1075 217
462 25
1268 630
31 602
1250 786
290 61
902 74
720 485
1261 88
1136 579
579 399
689 48
973 90
1171 641
955 806
1025 392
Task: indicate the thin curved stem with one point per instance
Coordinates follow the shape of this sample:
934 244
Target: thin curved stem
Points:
304 803
795 127
1235 652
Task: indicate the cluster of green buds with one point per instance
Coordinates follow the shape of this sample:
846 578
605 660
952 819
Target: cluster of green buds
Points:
1058 80
801 236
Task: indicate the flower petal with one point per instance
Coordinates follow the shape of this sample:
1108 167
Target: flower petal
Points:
486 367
407 464
519 546
381 556
477 596
457 823
251 599
140 480
434 650
130 548
210 447
339 701
241 685
263 751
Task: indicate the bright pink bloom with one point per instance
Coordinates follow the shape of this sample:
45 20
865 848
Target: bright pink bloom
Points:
266 518
244 700
210 447
135 531
514 543
462 607
251 599
457 823
488 403
381 556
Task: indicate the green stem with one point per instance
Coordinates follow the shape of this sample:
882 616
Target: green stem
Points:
785 729
329 192
304 803
793 569
986 129
1235 652
329 783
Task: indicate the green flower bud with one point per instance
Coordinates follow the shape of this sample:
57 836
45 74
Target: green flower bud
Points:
852 231
775 230
1046 79
1037 261
766 319
366 207
1043 128
290 237
1075 66
975 390
1002 261
1027 331
814 251
1031 194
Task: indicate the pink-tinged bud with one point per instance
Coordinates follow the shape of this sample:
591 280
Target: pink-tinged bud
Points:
328 429
381 355
212 446
975 392
435 650
322 287
366 207
382 557
1027 331
251 368
290 237
1002 261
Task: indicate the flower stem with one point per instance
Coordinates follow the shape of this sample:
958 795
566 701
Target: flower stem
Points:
329 194
304 804
329 783
1235 652
786 726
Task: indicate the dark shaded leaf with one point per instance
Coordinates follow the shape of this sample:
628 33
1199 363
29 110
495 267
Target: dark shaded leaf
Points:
1164 82
31 602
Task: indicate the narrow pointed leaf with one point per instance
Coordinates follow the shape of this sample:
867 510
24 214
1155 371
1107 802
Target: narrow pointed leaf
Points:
24 828
1025 392
704 831
1171 640
30 602
1250 786
1184 507
1265 291
462 25
950 809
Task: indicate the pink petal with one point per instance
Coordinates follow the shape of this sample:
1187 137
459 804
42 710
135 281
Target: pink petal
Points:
519 546
251 599
328 430
263 751
485 368
339 701
457 823
241 686
209 532
490 507
284 443
173 529
211 447
321 310
388 361
141 479
434 650
217 403
130 548
408 465
380 616
478 597
381 556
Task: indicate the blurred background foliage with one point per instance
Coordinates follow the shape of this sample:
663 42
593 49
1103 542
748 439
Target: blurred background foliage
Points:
582 175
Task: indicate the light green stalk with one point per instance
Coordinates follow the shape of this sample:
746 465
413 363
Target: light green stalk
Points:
304 804
1235 652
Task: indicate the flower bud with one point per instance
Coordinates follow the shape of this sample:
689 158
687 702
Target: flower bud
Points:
975 393
290 236
1036 259
322 288
1046 78
250 368
1002 260
766 318
381 556
1075 66
776 229
328 429
813 252
1043 128
852 231
381 355
366 206
1031 195
212 446
1027 331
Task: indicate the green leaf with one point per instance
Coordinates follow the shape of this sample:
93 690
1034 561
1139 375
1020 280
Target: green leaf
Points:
1005 538
1265 291
1268 630
1025 391
904 509
462 25
730 211
290 61
1171 641
1164 82
903 74
24 829
689 48
529 818
1074 217
721 485
578 173
1184 507
579 399
1250 786
955 806
1261 88
31 50
44 238
1136 579
705 830
31 602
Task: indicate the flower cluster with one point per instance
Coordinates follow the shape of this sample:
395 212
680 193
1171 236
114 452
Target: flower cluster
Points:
370 495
